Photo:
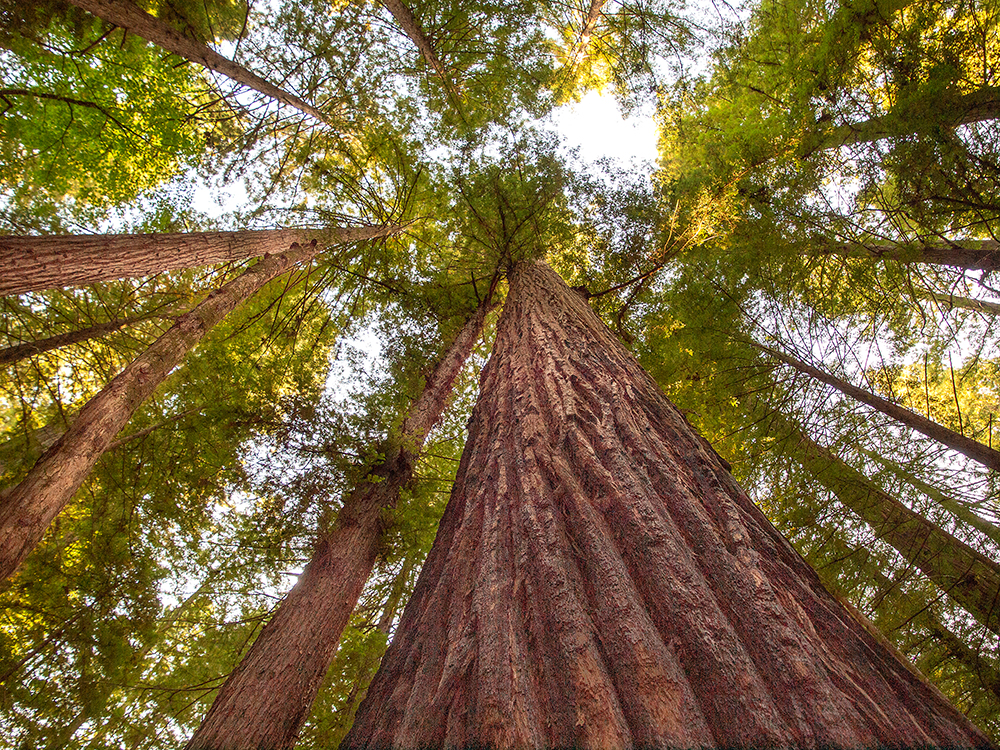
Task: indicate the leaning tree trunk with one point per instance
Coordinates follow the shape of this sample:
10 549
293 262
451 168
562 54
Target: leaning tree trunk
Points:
267 698
34 263
948 112
412 28
127 15
600 581
957 508
968 447
972 255
951 301
28 508
965 574
11 354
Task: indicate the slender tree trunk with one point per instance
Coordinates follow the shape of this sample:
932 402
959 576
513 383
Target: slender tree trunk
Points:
958 509
27 509
590 21
965 445
952 301
127 15
966 575
26 444
973 255
977 106
600 581
268 696
12 354
411 26
36 263
987 673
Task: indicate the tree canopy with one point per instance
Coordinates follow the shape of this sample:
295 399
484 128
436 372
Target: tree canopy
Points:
807 271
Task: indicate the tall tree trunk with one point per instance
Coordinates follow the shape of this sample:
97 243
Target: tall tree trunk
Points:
976 106
952 301
127 15
590 21
958 509
966 575
16 353
267 698
973 255
28 508
34 263
412 28
968 447
600 581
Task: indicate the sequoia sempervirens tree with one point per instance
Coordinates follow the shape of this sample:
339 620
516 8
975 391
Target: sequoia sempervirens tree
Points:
600 580
28 508
267 698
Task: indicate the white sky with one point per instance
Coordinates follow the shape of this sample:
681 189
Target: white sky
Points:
595 124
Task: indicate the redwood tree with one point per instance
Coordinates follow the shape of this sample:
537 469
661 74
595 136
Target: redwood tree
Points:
599 580
267 698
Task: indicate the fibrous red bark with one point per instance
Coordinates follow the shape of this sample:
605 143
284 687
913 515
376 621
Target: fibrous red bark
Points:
267 698
600 581
33 263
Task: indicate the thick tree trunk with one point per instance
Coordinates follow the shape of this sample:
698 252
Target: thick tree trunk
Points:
268 696
36 263
973 255
28 508
127 15
12 354
600 581
966 575
968 447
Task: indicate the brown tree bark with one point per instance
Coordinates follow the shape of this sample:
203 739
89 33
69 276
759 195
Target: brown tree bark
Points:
127 15
965 574
28 508
16 353
976 106
34 263
968 447
267 698
600 581
973 255
590 20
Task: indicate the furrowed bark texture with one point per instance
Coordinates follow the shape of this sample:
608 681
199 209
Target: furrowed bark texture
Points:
127 15
267 698
968 447
966 575
600 581
36 263
27 509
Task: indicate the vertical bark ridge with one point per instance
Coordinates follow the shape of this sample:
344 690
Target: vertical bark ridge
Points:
600 581
267 698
